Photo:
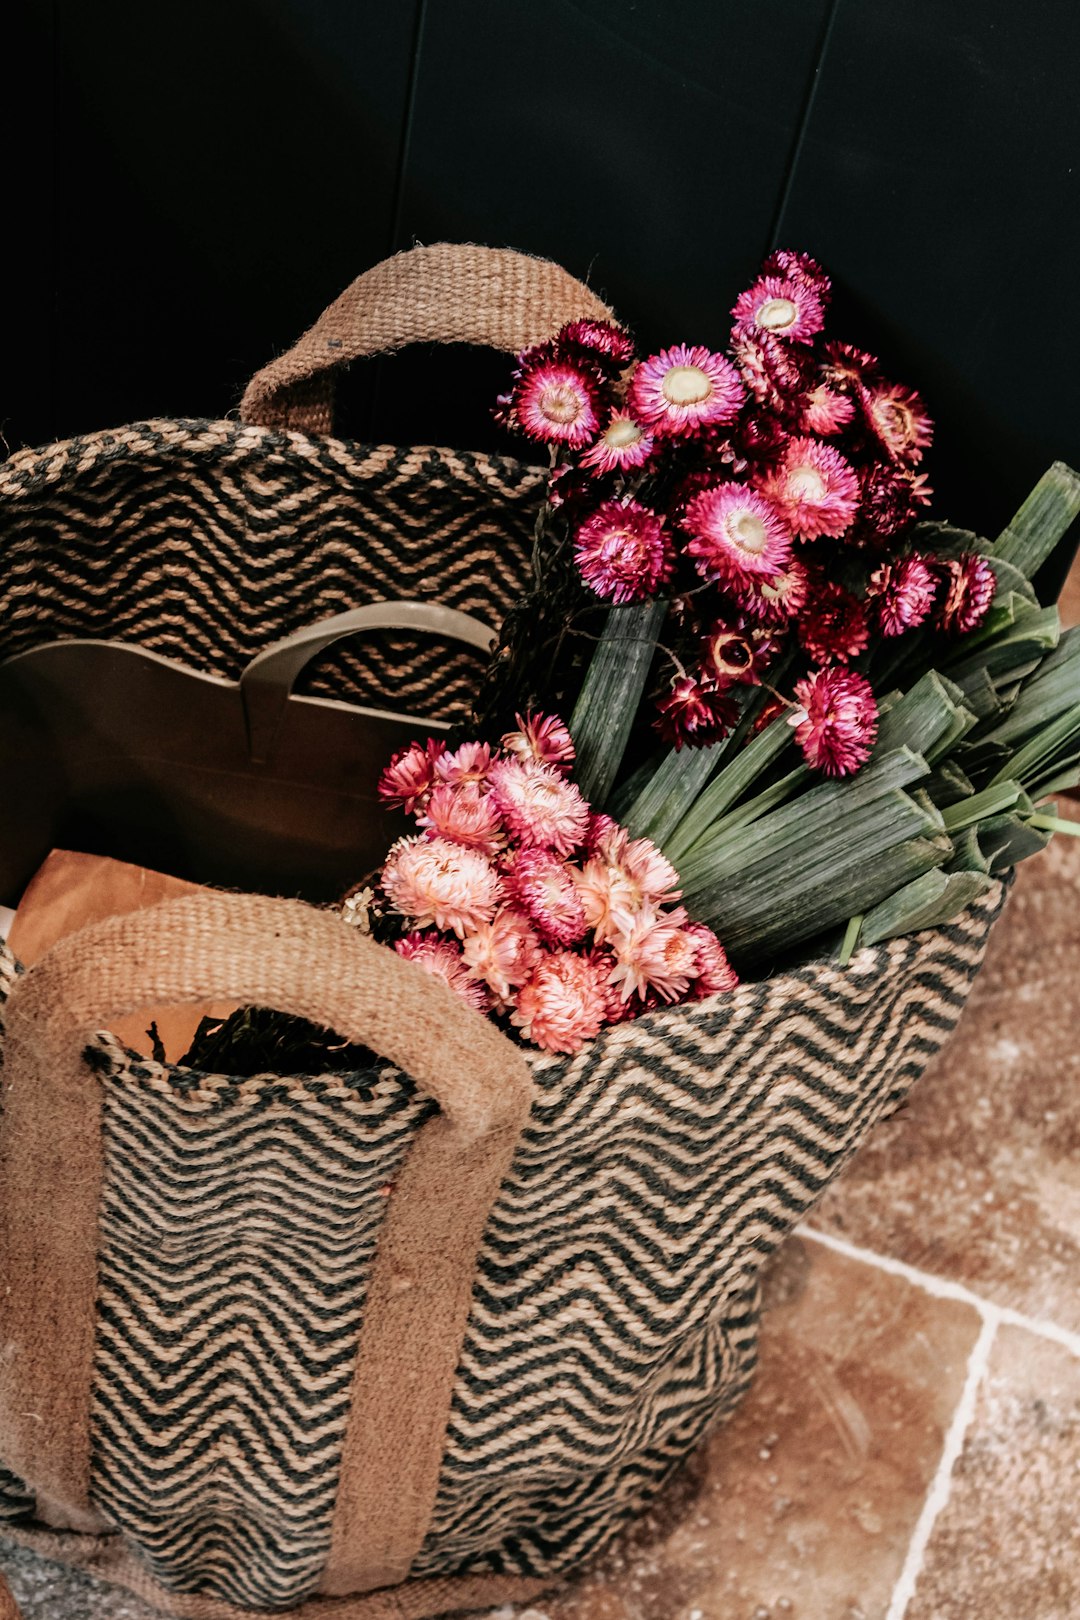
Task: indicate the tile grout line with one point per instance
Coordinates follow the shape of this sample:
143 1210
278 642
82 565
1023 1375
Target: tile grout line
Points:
943 1288
941 1485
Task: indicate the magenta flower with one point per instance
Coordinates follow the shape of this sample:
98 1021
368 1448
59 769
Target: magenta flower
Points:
826 412
682 389
890 499
694 712
848 368
970 587
898 419
623 552
736 534
774 601
833 627
839 721
562 1004
775 372
798 267
539 807
544 887
543 738
469 763
555 400
604 342
624 444
784 307
443 959
409 777
814 487
903 593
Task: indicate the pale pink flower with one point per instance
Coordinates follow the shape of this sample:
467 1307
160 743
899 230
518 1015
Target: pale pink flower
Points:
623 444
562 1004
436 883
615 886
443 959
736 534
464 813
538 806
502 952
544 886
541 737
714 972
839 720
469 763
685 388
655 953
814 487
408 778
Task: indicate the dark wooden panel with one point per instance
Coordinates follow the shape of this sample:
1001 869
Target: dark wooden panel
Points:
940 179
222 171
643 145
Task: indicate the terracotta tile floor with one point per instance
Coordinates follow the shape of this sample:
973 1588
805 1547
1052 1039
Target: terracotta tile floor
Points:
911 1447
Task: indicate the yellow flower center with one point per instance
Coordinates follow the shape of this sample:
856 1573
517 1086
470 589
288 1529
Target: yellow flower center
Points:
806 483
560 403
621 433
685 385
749 532
777 314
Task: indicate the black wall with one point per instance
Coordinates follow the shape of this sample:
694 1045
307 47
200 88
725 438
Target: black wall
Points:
188 185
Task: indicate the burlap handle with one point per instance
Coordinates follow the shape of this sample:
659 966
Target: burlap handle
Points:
9 1609
285 955
448 293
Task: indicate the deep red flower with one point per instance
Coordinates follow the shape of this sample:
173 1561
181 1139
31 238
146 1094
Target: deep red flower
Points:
606 343
695 712
890 498
832 627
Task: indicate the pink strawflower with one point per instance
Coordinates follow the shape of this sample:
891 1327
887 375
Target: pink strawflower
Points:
682 389
776 373
603 834
848 368
737 534
903 593
714 973
694 712
781 307
443 959
469 763
727 655
464 813
833 626
604 342
656 953
544 886
840 722
555 400
826 412
775 601
890 499
539 807
439 884
622 877
410 775
623 444
623 552
814 487
970 586
562 1004
798 267
898 419
541 737
502 953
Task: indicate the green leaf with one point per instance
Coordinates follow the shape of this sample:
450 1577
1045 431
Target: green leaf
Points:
968 855
928 901
730 783
605 709
1009 839
1024 765
992 801
1042 520
668 793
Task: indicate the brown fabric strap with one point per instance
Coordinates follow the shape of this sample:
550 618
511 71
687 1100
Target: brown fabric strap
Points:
451 292
108 1559
271 953
9 1609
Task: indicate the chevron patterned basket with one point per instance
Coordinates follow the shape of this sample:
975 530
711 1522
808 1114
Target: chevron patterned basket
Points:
386 1344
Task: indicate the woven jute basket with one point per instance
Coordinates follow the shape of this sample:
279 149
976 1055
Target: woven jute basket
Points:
418 1338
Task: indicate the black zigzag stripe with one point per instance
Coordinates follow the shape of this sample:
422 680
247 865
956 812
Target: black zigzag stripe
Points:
204 541
615 1307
